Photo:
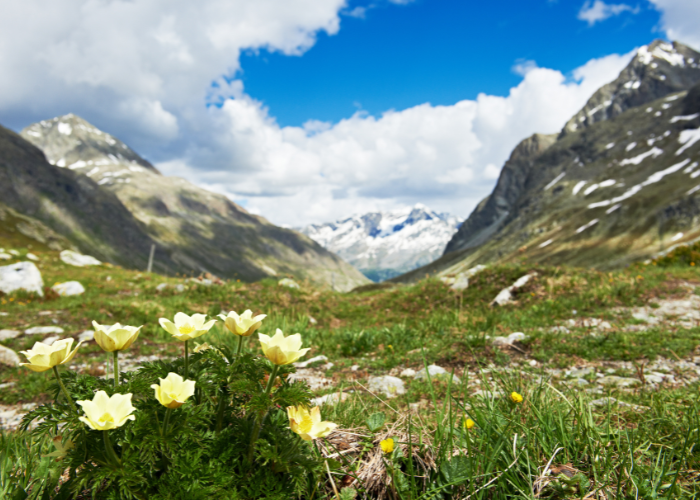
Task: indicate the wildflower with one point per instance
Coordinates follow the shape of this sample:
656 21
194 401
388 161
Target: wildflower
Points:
387 445
243 325
468 423
515 397
43 357
282 350
104 413
308 423
116 337
173 390
186 327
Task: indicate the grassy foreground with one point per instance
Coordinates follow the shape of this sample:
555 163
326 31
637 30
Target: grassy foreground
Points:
567 438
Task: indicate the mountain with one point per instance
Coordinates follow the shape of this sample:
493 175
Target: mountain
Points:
385 244
617 185
198 230
73 206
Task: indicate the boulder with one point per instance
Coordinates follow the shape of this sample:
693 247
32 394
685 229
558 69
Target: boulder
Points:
78 260
9 334
387 385
21 276
8 357
43 330
437 372
69 288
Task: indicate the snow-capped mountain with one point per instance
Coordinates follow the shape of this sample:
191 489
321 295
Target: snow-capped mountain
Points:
385 244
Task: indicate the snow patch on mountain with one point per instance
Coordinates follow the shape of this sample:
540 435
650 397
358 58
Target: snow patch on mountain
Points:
385 244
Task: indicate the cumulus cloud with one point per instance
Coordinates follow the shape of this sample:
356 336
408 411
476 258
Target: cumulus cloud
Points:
592 12
679 19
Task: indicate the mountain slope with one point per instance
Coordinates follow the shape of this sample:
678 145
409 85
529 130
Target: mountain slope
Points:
385 244
72 205
616 189
203 231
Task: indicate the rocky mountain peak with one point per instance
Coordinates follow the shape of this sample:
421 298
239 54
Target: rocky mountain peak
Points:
658 69
72 142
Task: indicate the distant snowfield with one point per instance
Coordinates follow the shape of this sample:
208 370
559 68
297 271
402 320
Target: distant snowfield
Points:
386 244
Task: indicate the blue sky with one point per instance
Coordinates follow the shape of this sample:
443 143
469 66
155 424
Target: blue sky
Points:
325 107
437 51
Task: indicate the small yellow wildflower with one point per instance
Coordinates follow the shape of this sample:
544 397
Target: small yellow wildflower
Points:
468 423
387 445
515 397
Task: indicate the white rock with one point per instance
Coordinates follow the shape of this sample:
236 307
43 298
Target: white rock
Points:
532 362
513 337
437 372
180 288
408 372
4 314
43 330
315 379
480 393
21 276
69 288
11 416
8 357
86 336
312 320
50 340
576 372
288 282
162 287
5 256
387 385
33 257
505 296
308 362
77 259
559 329
9 334
329 399
14 252
618 381
461 282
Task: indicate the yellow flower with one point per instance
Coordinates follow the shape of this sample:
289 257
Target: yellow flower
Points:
43 357
468 423
515 397
387 445
243 325
173 390
187 327
308 423
116 337
104 413
282 350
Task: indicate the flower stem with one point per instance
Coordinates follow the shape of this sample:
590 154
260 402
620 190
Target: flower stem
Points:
64 390
220 411
110 450
115 354
166 420
240 346
261 415
187 361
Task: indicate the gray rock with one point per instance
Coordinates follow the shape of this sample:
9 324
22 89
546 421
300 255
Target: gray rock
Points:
387 385
513 337
614 402
162 287
436 372
69 288
86 336
78 260
505 296
618 381
408 372
329 399
578 382
9 334
8 357
309 362
43 330
315 379
288 282
33 257
577 372
5 256
179 288
559 329
50 340
21 276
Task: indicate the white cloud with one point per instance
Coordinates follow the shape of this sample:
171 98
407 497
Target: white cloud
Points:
592 12
679 20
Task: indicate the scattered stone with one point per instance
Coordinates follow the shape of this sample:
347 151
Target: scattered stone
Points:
288 282
480 393
505 296
43 330
506 341
9 334
5 256
329 399
69 288
312 320
108 278
33 257
387 385
309 362
408 372
533 362
14 252
354 368
77 259
50 340
437 372
161 287
8 357
7 385
315 379
460 281
200 281
577 372
11 416
618 381
614 402
86 336
579 382
179 288
559 329
21 276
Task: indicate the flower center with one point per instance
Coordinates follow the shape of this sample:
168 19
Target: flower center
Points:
185 329
306 425
106 418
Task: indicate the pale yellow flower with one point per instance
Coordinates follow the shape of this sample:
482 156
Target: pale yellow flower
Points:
43 357
387 445
282 350
116 337
173 390
515 397
187 327
243 325
308 423
104 413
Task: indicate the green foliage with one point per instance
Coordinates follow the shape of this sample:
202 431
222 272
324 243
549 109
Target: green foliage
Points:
686 255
